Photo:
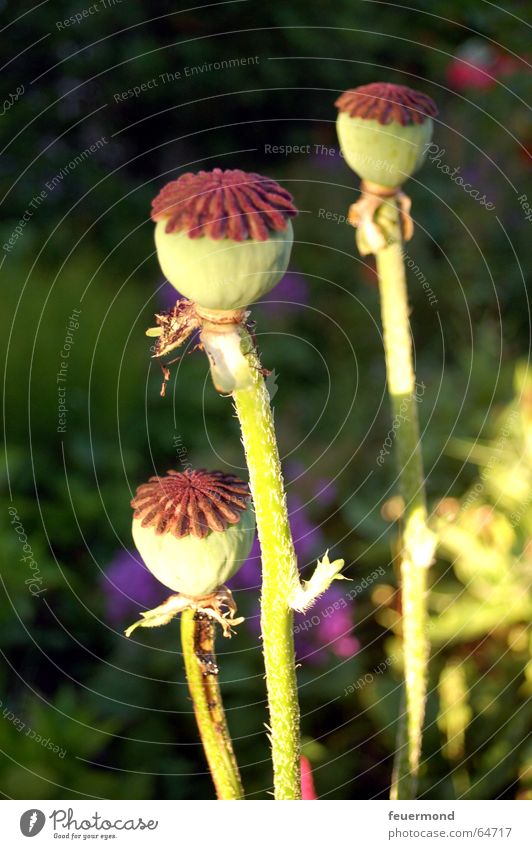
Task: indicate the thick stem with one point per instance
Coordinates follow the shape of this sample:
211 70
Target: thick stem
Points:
400 788
280 580
418 541
197 640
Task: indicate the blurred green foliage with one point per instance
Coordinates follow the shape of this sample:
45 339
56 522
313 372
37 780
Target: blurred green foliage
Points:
479 629
120 709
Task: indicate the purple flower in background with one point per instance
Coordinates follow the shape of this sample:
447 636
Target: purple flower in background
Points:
307 541
293 288
291 291
325 491
166 295
327 158
327 627
129 587
248 576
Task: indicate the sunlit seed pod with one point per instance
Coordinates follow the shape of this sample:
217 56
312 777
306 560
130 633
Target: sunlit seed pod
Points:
223 238
384 131
193 529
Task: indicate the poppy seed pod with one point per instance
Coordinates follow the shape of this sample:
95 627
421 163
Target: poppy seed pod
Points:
194 529
384 131
223 238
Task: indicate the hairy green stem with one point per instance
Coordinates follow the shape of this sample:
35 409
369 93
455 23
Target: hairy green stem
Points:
236 370
280 580
417 540
197 641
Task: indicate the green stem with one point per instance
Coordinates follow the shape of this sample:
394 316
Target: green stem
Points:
280 580
197 641
418 541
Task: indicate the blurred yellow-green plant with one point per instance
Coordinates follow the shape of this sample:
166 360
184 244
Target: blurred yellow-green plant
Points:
486 536
480 610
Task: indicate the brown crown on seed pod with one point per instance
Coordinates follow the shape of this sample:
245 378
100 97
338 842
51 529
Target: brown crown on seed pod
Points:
386 102
191 502
224 204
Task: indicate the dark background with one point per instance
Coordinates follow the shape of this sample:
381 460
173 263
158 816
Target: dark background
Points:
118 710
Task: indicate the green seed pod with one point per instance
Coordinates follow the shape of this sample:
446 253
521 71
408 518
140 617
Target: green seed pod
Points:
193 529
223 238
384 131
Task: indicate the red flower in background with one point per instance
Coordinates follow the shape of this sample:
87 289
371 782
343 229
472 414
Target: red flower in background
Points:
477 65
308 791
